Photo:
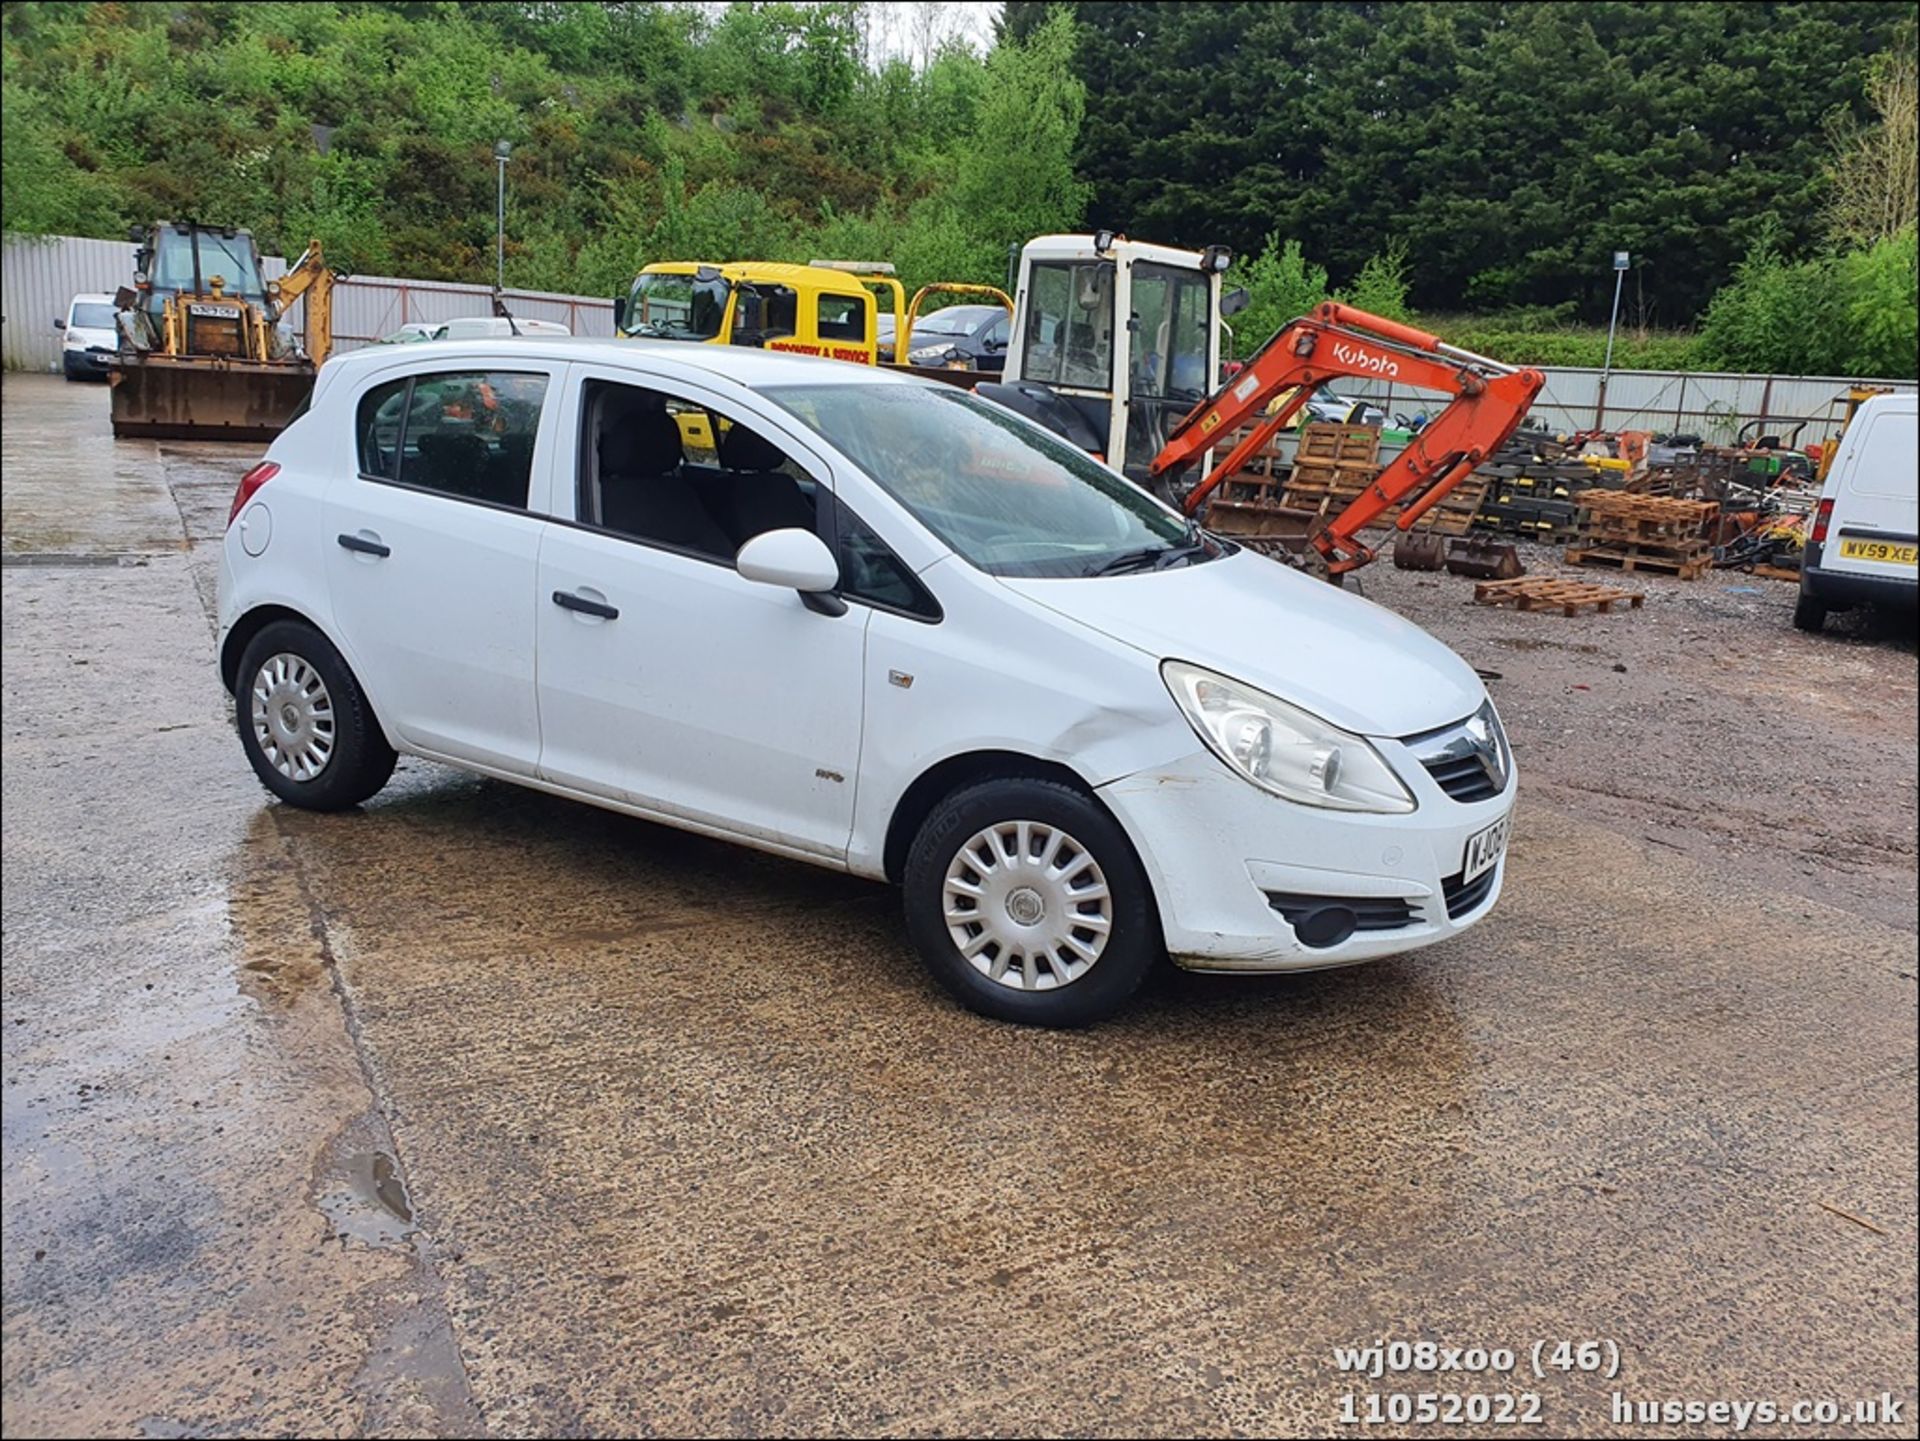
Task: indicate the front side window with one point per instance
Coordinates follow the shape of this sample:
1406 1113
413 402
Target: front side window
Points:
1007 496
467 434
764 312
1070 324
675 307
669 471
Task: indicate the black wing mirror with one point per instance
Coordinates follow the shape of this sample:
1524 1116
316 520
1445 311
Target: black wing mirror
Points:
1234 301
58 323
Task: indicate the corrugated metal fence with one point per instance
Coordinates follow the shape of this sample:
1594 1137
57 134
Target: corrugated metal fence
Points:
40 274
1711 404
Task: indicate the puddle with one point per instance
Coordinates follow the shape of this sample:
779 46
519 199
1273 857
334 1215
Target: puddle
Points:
366 1200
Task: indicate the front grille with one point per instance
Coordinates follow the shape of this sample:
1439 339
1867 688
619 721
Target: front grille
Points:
1465 778
214 336
1468 760
1464 896
1318 920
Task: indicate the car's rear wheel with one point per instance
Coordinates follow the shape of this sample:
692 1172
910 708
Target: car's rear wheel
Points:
1810 614
1027 903
305 723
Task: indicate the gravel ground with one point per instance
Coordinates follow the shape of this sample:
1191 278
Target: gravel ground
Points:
1706 723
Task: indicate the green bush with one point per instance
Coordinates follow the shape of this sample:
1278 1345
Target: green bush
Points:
1850 314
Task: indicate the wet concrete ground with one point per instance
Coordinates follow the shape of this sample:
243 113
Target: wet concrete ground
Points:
482 1111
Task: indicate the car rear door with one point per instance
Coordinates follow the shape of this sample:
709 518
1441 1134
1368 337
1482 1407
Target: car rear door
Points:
435 520
666 679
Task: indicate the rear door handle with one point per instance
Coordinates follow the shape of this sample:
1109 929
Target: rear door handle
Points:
364 546
567 600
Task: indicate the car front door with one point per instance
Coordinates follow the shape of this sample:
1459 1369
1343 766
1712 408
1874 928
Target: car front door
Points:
665 678
432 543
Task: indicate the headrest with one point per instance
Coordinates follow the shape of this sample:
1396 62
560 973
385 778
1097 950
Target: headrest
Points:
741 449
640 442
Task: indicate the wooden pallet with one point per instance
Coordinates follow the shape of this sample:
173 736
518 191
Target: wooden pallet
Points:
1548 592
1681 564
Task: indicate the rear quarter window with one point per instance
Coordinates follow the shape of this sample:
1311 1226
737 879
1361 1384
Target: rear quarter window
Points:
465 434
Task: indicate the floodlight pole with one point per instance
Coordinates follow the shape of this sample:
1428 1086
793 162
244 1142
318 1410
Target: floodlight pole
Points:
501 150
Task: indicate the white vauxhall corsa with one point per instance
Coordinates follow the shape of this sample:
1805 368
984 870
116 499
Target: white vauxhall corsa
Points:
867 621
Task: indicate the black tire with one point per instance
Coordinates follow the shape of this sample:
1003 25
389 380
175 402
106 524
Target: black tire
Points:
358 760
1810 614
1133 943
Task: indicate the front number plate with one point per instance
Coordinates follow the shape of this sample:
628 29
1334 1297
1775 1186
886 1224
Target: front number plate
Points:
1484 848
1892 552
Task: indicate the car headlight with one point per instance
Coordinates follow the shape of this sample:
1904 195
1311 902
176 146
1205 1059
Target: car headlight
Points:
1283 749
931 355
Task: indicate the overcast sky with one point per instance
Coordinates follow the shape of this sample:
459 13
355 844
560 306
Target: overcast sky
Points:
910 28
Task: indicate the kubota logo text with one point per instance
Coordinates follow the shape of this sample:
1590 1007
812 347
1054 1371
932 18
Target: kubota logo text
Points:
1365 360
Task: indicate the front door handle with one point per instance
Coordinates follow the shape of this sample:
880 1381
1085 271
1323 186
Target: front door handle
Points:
364 546
567 600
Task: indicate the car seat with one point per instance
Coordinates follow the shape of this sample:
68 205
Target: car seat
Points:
642 492
754 495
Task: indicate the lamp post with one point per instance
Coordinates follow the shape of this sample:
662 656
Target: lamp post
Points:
1620 262
501 150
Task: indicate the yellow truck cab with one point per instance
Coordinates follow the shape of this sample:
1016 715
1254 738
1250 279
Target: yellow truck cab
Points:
803 309
831 308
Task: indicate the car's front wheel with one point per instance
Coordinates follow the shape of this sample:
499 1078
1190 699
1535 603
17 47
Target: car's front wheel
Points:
305 723
1026 901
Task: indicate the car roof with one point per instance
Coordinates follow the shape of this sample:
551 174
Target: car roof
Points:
748 365
92 297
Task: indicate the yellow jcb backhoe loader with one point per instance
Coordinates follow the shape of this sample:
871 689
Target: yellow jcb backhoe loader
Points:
203 354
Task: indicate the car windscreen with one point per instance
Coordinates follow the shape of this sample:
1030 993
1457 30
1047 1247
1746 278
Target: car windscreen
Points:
955 320
1006 495
94 315
675 307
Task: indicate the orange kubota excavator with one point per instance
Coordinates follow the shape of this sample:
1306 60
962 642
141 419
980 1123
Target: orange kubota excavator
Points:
1116 343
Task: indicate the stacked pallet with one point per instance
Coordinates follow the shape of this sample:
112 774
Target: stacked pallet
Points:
1336 463
1643 532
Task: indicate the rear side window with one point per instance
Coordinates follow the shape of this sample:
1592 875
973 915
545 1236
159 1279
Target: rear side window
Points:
843 317
467 434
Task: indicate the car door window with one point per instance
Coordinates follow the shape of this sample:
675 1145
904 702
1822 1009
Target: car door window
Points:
465 434
871 573
672 472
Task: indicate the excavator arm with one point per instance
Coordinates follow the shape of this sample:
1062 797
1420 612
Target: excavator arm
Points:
309 276
1489 402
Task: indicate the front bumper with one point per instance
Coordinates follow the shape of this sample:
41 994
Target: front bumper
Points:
1228 862
86 362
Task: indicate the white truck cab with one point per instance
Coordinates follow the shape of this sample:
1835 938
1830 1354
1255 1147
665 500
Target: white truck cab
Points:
1866 533
1114 341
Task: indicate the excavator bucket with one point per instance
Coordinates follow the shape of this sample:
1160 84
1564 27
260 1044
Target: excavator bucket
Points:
165 397
1484 559
1419 550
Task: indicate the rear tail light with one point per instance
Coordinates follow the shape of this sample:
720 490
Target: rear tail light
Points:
1822 518
265 471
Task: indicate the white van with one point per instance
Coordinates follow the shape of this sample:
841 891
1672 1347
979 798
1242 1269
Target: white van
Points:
1866 533
492 327
91 339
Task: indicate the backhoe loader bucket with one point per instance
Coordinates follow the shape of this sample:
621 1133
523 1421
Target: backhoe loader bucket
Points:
166 397
1484 559
1422 550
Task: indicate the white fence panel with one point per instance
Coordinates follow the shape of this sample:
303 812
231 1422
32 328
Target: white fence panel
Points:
41 274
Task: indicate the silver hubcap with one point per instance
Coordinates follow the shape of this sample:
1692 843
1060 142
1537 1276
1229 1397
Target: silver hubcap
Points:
293 717
1027 905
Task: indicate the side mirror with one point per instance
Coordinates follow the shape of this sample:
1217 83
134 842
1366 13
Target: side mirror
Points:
58 323
1235 301
793 559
